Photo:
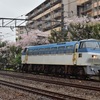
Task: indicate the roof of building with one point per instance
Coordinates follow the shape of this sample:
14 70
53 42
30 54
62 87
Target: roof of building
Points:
37 7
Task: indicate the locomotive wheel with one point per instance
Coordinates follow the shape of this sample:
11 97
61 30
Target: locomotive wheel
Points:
24 68
45 69
81 73
30 68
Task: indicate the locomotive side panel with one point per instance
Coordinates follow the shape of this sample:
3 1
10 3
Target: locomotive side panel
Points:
51 59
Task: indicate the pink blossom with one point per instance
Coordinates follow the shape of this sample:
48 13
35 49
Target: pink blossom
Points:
31 38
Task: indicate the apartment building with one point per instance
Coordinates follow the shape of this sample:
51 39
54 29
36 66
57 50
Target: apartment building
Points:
51 14
89 7
21 30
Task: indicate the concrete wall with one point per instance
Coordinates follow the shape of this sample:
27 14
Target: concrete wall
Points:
70 7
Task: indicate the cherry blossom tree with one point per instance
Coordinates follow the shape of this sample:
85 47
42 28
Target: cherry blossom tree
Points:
83 27
11 52
34 37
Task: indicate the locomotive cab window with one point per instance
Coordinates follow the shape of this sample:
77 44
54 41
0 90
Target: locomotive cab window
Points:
25 50
82 45
90 44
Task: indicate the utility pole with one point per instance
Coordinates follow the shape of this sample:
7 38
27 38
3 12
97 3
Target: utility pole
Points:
62 17
98 8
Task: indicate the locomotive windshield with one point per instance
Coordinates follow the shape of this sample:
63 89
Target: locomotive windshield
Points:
90 44
25 50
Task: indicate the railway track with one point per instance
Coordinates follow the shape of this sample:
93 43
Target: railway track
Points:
54 82
50 94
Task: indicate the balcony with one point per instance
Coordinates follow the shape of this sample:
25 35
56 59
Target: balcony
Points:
47 8
48 18
80 2
58 14
95 4
89 7
56 2
95 13
86 9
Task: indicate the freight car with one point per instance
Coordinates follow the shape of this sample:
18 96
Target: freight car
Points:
79 58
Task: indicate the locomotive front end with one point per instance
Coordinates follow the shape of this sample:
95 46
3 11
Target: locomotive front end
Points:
95 63
91 56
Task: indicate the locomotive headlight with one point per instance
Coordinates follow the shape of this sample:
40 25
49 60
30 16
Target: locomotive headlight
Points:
94 56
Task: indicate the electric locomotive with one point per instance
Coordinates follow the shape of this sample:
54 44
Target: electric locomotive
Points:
80 58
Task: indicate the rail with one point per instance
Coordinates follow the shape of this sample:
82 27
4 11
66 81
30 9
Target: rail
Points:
54 82
46 93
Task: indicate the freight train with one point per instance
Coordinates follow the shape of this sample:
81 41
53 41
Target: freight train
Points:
79 58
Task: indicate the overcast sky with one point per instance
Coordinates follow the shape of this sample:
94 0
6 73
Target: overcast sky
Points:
14 9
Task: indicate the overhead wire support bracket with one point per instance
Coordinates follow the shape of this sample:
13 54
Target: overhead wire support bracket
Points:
6 22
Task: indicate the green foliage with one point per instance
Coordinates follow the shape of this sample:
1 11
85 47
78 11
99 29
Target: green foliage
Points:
84 31
17 60
15 56
75 32
58 36
11 57
2 44
96 31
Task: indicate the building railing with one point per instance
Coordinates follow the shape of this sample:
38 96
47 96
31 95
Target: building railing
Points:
57 14
43 8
